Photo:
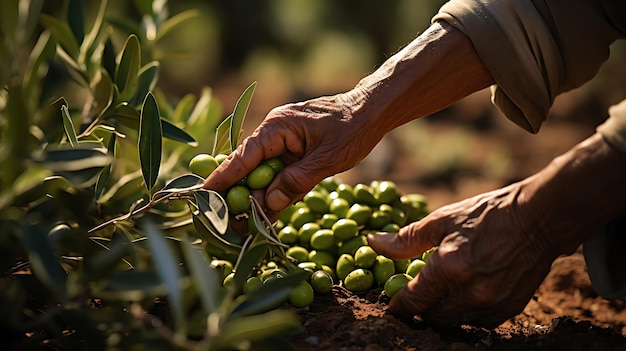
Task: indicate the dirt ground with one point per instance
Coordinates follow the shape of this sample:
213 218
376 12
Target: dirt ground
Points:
564 314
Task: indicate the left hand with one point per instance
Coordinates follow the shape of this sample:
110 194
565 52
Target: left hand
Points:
490 260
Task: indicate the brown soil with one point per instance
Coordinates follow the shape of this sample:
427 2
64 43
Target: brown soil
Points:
565 314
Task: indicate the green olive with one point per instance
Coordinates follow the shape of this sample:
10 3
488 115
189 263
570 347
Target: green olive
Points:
237 199
339 207
276 163
386 192
252 284
260 177
321 258
395 283
328 220
321 282
415 267
365 256
299 253
363 194
322 239
288 235
316 201
359 280
221 158
301 216
302 295
306 231
345 229
203 165
383 268
360 213
345 265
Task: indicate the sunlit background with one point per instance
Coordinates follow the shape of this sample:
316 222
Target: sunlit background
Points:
299 49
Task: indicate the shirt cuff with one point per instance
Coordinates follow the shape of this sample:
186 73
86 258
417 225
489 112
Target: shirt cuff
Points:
614 128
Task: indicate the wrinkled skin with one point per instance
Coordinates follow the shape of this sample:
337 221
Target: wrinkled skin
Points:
490 260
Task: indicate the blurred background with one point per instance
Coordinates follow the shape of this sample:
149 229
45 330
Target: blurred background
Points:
299 49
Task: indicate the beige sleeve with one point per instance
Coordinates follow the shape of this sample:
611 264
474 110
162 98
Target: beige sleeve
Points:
537 49
614 129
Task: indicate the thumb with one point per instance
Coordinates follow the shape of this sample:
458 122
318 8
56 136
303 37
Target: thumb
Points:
407 243
289 186
418 296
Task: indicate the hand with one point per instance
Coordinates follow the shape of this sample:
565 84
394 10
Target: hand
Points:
490 260
315 139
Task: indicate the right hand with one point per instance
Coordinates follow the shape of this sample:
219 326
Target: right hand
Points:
316 138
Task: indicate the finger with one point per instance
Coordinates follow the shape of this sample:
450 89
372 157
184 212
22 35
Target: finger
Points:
417 297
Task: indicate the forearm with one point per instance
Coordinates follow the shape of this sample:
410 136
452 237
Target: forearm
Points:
435 70
578 192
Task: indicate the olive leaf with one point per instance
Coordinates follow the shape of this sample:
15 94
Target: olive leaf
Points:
42 258
76 19
268 296
168 269
70 132
150 141
239 115
128 68
213 206
222 144
103 178
180 185
255 328
147 77
62 33
203 275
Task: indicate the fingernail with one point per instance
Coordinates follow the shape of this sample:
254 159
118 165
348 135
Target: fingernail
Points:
277 200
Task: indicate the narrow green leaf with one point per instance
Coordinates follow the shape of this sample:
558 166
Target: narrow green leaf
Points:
251 257
104 263
103 91
76 18
181 184
44 50
172 132
184 108
201 108
30 186
48 117
67 160
42 258
128 68
268 296
213 206
204 277
213 243
146 80
95 37
222 143
150 141
62 33
251 329
239 114
175 21
68 125
167 267
104 176
133 285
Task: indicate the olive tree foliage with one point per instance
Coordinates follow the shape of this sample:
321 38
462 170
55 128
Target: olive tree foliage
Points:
106 241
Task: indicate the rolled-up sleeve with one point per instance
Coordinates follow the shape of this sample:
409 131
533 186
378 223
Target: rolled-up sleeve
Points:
537 49
614 128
